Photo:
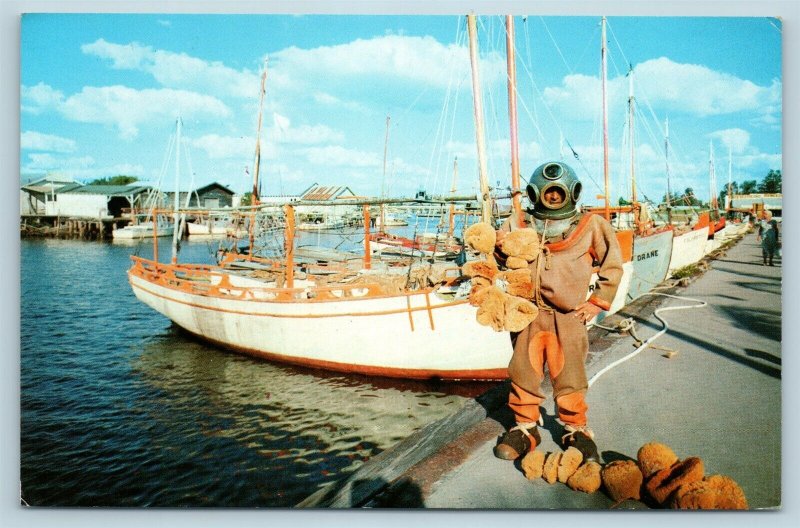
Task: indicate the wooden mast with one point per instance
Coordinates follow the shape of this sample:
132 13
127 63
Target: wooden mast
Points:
383 182
486 205
452 223
631 137
712 177
511 64
254 197
729 204
666 161
607 213
176 201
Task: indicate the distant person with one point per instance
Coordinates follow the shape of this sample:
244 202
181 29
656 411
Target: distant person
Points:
575 243
770 241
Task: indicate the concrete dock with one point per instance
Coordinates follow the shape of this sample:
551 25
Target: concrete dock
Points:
710 386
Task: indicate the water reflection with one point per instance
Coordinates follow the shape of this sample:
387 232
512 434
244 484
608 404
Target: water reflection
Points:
307 427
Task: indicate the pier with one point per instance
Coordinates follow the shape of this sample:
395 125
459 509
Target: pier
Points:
710 387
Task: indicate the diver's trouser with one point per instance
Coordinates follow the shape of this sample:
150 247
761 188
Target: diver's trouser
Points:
560 341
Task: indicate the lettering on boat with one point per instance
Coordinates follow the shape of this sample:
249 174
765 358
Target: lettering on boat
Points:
645 256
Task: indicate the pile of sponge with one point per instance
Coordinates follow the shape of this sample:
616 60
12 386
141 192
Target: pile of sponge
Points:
657 477
502 293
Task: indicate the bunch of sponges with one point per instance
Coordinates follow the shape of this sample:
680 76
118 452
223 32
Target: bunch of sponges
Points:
659 478
566 467
502 294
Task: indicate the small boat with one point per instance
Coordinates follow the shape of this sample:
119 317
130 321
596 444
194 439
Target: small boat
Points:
143 231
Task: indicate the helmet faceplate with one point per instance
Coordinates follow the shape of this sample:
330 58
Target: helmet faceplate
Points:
544 178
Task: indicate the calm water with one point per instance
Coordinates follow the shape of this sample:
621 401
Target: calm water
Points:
120 408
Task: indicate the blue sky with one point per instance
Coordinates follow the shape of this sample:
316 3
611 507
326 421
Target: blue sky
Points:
100 95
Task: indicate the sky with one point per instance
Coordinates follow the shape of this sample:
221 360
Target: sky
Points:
100 95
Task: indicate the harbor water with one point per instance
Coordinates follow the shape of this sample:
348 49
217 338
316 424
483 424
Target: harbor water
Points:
121 408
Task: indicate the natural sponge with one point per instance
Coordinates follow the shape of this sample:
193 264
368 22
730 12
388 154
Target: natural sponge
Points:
533 464
522 243
550 470
654 457
481 237
491 311
663 483
570 460
519 313
480 268
586 478
716 492
622 480
480 287
516 263
519 282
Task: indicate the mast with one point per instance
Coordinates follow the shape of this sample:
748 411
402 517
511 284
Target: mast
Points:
631 134
666 160
383 182
176 201
712 177
607 213
255 199
486 205
512 120
452 223
729 204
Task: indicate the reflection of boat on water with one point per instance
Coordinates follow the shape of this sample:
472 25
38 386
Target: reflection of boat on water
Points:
295 428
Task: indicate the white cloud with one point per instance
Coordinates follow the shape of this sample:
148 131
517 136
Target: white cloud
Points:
30 140
337 156
40 98
419 59
48 162
734 139
225 147
177 70
127 109
663 83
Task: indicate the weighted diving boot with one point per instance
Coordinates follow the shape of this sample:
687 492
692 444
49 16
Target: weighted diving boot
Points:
517 441
581 438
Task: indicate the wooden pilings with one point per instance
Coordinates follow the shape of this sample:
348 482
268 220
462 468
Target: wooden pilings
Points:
58 227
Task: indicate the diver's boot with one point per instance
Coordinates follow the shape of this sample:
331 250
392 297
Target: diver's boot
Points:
518 441
581 438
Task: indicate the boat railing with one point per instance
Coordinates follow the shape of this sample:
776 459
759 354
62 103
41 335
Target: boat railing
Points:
214 281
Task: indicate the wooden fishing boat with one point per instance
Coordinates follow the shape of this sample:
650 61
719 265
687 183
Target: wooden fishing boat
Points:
283 311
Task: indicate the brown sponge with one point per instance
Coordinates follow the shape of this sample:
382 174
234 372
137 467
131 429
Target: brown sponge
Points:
480 268
663 483
550 470
533 464
622 480
523 243
491 311
519 313
586 478
481 237
570 461
654 457
716 492
478 293
518 282
516 263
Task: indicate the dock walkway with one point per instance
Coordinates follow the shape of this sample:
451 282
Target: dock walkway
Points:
718 397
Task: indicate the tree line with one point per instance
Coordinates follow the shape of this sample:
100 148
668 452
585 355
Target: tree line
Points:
771 184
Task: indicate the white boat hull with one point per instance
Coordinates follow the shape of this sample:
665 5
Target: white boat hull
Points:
139 232
409 336
688 249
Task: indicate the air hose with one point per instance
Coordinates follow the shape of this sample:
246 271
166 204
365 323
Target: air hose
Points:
627 325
